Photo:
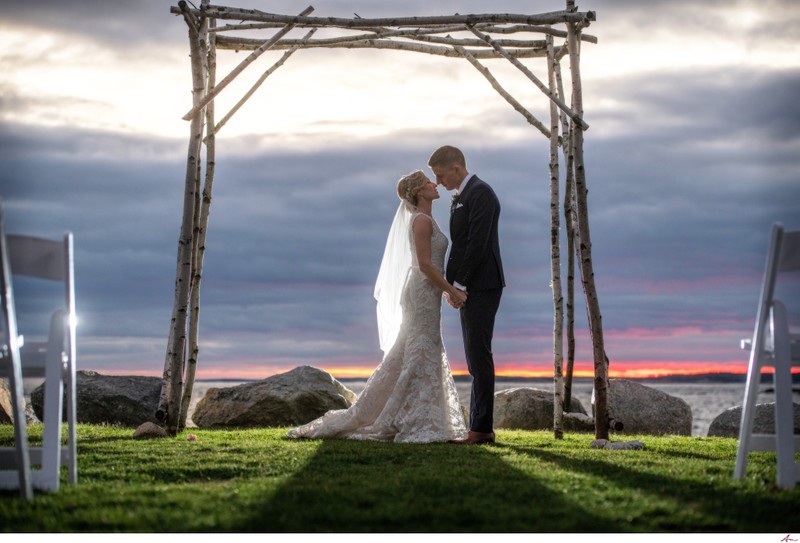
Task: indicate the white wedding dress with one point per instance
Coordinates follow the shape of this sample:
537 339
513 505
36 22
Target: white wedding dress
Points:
411 396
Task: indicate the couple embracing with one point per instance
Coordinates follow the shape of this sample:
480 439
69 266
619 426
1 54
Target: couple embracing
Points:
411 396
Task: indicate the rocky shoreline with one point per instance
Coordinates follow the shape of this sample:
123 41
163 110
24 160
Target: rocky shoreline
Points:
304 393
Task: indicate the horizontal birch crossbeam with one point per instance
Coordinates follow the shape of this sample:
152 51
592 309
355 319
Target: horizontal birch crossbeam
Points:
244 44
555 17
444 29
400 35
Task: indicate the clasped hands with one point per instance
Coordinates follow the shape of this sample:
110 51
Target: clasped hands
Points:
456 300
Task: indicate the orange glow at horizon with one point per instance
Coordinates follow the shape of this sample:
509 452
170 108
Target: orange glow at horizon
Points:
618 369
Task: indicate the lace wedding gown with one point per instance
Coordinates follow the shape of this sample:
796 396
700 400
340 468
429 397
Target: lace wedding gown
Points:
411 396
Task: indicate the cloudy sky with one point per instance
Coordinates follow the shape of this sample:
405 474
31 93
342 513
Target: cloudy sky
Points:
693 152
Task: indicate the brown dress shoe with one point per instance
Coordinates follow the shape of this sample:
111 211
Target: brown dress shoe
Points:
476 438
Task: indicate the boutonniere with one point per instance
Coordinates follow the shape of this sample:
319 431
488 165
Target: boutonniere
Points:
455 200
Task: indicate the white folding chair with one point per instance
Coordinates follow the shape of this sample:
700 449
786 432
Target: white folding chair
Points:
17 457
773 345
54 360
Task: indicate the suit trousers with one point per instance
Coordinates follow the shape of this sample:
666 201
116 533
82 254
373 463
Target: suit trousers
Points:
477 329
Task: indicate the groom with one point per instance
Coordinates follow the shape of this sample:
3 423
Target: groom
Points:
474 265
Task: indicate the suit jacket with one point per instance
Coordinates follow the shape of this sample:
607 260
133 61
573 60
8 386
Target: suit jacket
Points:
474 259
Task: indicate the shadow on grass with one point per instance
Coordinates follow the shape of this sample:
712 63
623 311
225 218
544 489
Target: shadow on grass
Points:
383 487
730 506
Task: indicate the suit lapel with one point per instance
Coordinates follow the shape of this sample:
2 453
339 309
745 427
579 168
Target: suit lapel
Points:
461 199
471 183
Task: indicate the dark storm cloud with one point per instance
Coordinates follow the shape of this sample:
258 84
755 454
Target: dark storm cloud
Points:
124 25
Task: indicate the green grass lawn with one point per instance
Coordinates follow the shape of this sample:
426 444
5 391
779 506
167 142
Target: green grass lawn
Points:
261 481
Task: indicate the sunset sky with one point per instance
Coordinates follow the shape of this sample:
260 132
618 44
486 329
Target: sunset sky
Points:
693 151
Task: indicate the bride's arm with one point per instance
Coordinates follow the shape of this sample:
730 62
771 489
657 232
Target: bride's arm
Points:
423 230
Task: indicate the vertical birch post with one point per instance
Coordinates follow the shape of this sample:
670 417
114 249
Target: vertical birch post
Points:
169 410
200 234
555 255
569 220
585 243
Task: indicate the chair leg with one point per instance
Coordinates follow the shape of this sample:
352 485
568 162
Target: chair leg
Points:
51 441
72 420
784 416
748 413
23 459
53 406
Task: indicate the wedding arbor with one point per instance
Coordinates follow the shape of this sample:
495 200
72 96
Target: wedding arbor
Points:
549 36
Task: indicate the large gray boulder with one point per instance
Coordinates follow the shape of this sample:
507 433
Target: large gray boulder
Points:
125 400
526 408
287 399
727 423
644 410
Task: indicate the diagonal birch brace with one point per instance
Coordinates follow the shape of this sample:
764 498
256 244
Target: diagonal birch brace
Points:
242 65
542 87
261 79
502 92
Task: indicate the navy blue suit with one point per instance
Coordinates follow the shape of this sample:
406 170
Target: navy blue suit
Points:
475 263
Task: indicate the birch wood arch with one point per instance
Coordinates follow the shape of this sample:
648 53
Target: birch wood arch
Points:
549 36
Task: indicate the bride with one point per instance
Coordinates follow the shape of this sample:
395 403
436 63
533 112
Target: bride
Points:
411 396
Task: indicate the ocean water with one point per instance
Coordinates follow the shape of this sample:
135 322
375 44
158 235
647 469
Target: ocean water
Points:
706 399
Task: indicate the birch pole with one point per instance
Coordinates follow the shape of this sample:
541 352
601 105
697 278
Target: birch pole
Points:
555 256
169 410
551 18
569 220
248 43
585 245
200 236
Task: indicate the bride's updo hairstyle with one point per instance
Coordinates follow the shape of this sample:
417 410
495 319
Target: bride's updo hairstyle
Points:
409 185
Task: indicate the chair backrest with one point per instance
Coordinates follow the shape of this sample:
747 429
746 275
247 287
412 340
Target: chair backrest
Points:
10 333
789 258
39 258
783 255
44 259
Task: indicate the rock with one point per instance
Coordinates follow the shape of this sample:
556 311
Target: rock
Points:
526 408
6 410
149 430
578 422
644 410
465 414
727 423
634 445
110 399
287 399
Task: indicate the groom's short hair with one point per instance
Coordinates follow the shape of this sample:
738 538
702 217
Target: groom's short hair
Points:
447 156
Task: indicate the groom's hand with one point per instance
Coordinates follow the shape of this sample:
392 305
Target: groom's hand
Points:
457 299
